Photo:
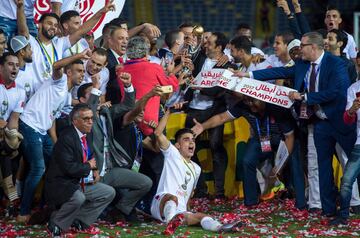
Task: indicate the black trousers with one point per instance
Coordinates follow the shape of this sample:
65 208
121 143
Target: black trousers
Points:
216 146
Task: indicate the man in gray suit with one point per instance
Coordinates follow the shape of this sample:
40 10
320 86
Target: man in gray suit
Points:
113 162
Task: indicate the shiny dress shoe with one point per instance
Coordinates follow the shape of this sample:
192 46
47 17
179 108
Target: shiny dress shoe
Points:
53 230
79 225
338 221
355 209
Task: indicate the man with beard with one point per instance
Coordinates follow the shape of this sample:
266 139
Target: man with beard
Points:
335 44
332 21
22 48
70 22
37 125
47 48
75 73
2 41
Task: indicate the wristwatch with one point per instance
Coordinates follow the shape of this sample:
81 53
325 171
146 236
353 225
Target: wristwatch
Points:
291 15
302 96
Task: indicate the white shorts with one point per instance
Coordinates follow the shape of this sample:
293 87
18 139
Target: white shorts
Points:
155 207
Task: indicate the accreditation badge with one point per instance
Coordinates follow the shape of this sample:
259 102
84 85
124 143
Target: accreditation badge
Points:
265 144
305 111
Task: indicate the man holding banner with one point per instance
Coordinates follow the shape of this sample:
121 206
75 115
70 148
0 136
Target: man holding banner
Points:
208 101
269 125
322 80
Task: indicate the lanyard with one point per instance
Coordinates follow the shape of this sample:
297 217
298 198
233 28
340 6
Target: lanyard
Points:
76 49
192 172
267 127
48 61
138 136
308 74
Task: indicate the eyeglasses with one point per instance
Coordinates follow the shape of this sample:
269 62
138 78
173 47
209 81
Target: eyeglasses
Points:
86 118
303 45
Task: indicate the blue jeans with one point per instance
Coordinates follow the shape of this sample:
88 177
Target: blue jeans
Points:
10 27
37 151
351 171
253 157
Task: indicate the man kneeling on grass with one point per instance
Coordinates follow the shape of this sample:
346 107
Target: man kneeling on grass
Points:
177 183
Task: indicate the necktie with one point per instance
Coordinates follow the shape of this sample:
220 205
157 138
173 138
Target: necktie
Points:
121 60
84 149
312 78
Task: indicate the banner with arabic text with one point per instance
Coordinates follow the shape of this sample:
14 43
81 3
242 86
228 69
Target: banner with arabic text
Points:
263 91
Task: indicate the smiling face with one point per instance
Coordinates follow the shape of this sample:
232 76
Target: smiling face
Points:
76 74
96 63
280 48
10 69
186 145
49 27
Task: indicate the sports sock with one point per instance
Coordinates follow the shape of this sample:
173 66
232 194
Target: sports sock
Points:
169 210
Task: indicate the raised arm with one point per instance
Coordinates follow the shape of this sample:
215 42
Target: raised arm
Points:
158 132
140 105
56 6
146 27
58 65
21 19
88 25
300 17
212 122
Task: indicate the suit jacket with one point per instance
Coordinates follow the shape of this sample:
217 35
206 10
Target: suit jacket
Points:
113 93
66 167
120 157
332 90
216 92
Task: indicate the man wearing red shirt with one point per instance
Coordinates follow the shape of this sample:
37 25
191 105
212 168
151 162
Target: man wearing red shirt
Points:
146 76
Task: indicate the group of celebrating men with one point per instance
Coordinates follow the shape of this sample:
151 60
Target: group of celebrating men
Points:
89 118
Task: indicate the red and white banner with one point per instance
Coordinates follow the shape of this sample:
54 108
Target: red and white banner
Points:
86 8
263 91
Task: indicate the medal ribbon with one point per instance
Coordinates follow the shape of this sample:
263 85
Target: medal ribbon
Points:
48 61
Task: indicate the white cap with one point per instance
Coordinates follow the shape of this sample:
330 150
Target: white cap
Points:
18 42
293 43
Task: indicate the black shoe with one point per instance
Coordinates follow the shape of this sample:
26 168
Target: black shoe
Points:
231 227
338 221
355 209
54 230
132 217
79 225
11 211
314 210
220 196
329 214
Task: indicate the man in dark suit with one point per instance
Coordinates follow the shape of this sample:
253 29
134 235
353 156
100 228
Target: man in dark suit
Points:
113 161
71 182
321 80
117 42
205 103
